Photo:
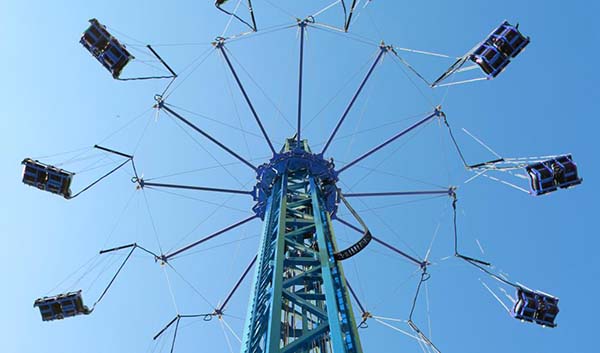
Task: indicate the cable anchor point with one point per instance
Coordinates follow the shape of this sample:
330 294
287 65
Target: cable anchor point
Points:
219 42
160 102
365 316
162 259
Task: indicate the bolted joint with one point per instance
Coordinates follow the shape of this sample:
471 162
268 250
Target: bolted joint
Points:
160 103
386 48
219 42
439 113
452 192
163 259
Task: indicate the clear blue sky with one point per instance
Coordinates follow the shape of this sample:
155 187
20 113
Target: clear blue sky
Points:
58 98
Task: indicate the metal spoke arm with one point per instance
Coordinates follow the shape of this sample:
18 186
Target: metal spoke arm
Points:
220 45
252 26
436 113
129 159
481 265
394 249
219 310
383 49
450 191
143 184
162 61
177 318
365 315
132 246
214 235
302 25
424 277
162 105
349 17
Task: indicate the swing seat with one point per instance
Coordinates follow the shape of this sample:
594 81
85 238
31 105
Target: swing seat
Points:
542 178
46 177
509 39
61 306
490 59
536 307
115 57
105 48
95 38
565 172
549 175
220 2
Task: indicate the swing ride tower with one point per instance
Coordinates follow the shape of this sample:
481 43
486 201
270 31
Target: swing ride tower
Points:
299 300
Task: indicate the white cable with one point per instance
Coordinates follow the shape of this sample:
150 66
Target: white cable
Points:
462 82
495 296
231 330
170 289
424 53
482 143
326 8
506 183
226 336
231 18
399 330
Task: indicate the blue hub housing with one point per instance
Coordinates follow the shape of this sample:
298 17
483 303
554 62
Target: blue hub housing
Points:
292 158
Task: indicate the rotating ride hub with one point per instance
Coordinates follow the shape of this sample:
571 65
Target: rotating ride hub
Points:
294 157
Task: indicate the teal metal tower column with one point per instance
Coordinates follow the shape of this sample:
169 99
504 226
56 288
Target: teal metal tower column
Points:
299 300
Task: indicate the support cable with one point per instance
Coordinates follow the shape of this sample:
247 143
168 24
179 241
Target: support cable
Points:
436 113
221 46
339 92
163 105
472 261
383 49
219 310
129 159
423 338
251 26
214 235
201 146
160 59
133 247
259 87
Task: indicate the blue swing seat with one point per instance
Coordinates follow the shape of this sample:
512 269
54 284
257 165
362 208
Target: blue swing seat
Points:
565 172
549 175
46 177
105 48
490 59
509 39
536 307
496 51
61 306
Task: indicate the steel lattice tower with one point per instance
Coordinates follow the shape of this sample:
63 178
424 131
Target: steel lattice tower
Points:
299 300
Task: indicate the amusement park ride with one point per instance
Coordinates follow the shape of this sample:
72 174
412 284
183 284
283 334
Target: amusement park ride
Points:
300 299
